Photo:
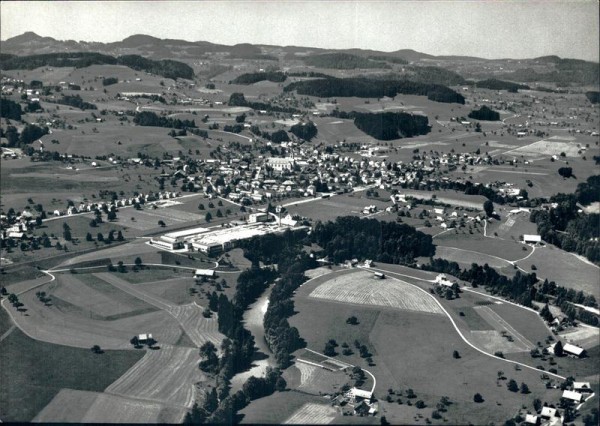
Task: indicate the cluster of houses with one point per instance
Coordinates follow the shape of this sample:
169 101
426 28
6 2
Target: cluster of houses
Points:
550 416
357 402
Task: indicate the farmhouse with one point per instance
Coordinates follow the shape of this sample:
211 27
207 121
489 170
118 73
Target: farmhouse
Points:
204 273
573 350
143 338
582 386
359 394
258 217
571 395
530 419
532 239
441 279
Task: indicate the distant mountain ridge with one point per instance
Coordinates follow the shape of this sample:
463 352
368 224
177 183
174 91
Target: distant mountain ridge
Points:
30 43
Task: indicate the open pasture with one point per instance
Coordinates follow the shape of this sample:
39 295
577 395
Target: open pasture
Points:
165 375
277 408
33 372
329 208
313 379
198 328
75 406
467 257
148 218
362 288
584 336
566 269
548 147
311 413
505 249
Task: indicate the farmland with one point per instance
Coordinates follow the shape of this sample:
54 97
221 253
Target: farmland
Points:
103 164
362 288
33 372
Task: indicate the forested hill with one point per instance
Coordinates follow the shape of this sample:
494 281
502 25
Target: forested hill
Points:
372 88
343 61
166 68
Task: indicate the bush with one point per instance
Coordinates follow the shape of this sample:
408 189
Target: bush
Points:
478 398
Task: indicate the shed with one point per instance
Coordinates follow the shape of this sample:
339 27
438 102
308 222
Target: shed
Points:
533 239
531 419
582 386
548 412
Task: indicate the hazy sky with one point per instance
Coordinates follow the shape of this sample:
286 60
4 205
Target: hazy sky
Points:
490 29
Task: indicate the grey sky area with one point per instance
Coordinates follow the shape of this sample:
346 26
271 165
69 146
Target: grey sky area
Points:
490 29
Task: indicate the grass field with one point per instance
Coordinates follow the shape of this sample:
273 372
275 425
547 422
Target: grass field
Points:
277 408
566 269
33 372
75 406
315 380
401 362
362 288
311 413
165 375
505 249
466 257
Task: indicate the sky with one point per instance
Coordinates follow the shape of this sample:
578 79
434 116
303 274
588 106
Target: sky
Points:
488 29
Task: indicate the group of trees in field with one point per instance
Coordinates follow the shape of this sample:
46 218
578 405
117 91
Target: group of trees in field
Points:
255 77
373 88
166 67
10 109
305 131
29 134
149 118
593 96
75 101
484 113
568 229
392 125
108 81
350 236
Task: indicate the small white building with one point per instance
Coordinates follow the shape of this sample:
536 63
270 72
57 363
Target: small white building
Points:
210 273
571 395
531 419
258 217
582 386
532 239
359 393
570 349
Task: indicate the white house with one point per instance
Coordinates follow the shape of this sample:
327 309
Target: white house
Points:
571 395
532 239
582 386
570 349
204 273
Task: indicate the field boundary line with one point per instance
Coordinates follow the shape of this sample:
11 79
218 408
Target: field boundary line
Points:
475 347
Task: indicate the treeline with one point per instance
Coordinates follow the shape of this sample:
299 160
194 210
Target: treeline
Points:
495 84
389 242
238 99
148 118
166 68
484 113
593 97
75 101
305 131
373 88
255 77
29 134
237 352
568 229
521 288
387 126
10 109
342 61
285 250
276 137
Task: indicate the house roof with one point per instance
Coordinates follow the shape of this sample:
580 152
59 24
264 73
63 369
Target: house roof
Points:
572 349
574 396
361 393
548 412
530 418
582 385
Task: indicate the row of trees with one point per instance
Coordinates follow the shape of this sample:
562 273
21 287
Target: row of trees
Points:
75 101
484 113
238 99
